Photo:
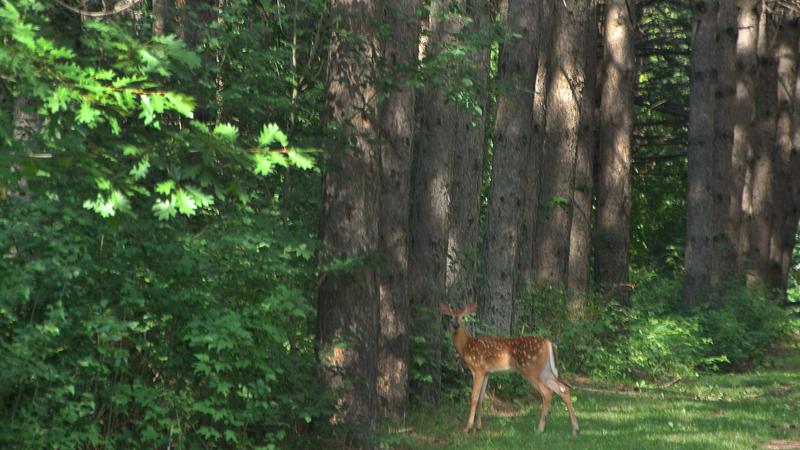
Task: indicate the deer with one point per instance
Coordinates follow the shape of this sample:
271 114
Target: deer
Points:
534 357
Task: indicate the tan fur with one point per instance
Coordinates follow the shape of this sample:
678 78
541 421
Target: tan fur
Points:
532 356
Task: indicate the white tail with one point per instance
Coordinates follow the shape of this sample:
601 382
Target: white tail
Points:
534 357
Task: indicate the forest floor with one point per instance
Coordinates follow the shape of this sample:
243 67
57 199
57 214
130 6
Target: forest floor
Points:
758 409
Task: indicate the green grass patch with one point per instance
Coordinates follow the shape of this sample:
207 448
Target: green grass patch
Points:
725 411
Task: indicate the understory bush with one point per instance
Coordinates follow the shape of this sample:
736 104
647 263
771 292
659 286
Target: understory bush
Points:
144 334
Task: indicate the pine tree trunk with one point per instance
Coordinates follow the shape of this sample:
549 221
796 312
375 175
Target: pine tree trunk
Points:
512 146
469 139
762 166
784 223
397 136
348 303
612 236
699 231
580 228
532 169
160 14
723 255
743 131
430 216
566 72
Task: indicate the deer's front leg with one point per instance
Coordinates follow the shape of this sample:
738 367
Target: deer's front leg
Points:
480 401
477 383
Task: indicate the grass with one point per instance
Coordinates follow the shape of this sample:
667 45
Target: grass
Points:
756 409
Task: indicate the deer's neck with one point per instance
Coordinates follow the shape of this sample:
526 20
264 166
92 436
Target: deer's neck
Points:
460 338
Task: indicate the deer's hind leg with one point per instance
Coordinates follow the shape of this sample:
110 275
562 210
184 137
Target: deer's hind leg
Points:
562 391
546 394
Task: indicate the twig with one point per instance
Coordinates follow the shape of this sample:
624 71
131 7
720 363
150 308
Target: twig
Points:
119 7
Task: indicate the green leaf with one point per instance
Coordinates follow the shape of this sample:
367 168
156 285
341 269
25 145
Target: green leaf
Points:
272 133
264 165
183 104
88 115
165 187
164 209
300 160
139 171
226 130
185 203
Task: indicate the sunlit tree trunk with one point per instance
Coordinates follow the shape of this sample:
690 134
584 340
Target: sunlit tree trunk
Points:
160 15
512 146
612 235
784 223
532 171
743 130
348 303
397 134
762 165
566 81
582 192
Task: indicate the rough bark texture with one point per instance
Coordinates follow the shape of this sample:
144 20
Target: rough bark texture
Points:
532 171
784 223
723 255
793 217
612 235
429 238
566 78
580 228
467 166
743 131
160 13
762 165
512 147
699 229
348 303
397 135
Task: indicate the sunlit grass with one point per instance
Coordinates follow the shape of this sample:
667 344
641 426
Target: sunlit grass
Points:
720 411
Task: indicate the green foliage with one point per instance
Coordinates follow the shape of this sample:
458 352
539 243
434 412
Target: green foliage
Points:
155 285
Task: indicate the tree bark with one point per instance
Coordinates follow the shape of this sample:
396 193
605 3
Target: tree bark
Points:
743 131
784 223
468 143
512 147
566 79
699 230
348 303
723 255
430 216
762 166
580 228
532 170
612 236
397 136
160 14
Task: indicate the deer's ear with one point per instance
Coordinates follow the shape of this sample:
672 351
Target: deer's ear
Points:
470 309
445 308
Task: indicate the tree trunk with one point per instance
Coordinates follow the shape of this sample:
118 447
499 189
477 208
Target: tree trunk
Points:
566 72
612 236
160 15
743 130
429 237
512 147
723 255
468 144
784 223
581 226
397 136
532 171
348 304
701 139
762 166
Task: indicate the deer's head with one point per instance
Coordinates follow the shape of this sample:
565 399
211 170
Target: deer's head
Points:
456 315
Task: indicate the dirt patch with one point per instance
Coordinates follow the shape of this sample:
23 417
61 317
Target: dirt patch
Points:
779 444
